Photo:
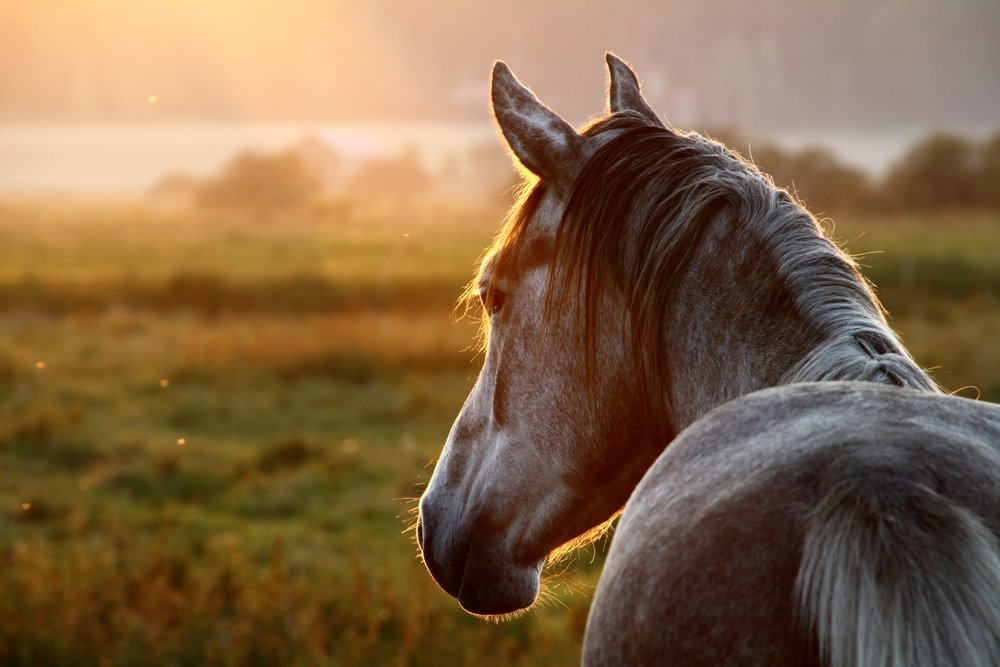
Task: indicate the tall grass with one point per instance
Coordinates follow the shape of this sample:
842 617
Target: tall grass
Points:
213 429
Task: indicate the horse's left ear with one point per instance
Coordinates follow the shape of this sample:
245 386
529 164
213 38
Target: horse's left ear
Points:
543 142
623 90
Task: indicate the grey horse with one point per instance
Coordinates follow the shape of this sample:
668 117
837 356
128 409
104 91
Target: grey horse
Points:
657 310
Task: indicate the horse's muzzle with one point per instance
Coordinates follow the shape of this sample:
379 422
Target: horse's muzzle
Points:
469 562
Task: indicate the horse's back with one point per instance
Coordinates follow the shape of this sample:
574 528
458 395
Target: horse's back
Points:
704 564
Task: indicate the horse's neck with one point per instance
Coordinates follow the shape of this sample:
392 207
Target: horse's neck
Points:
746 320
866 352
721 349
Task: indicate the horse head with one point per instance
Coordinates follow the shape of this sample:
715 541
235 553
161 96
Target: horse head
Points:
549 443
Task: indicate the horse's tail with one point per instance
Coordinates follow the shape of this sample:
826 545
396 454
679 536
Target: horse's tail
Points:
894 574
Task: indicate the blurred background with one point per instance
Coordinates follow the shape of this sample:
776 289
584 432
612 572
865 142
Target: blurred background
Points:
232 235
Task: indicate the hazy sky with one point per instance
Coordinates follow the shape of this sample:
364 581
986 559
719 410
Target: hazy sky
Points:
770 63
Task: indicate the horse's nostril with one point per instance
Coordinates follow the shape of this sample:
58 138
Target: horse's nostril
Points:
423 523
444 551
420 533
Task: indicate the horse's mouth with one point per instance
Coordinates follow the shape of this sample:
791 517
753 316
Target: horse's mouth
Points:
478 574
490 588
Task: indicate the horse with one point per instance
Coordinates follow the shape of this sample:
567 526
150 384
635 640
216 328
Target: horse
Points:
667 331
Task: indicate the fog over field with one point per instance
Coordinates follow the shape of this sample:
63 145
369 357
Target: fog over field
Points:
107 97
767 64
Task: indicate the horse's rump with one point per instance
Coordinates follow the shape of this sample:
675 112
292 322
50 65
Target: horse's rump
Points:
848 520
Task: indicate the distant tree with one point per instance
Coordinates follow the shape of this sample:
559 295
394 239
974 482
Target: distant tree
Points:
260 181
987 175
814 174
817 177
398 175
937 172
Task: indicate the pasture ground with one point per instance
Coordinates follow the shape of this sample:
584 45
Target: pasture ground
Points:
213 425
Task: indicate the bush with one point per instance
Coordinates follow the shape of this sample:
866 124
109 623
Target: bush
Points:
987 185
942 171
291 453
936 173
817 177
399 175
814 174
261 181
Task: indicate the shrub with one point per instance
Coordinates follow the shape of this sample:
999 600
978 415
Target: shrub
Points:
817 177
400 175
290 453
261 181
936 173
813 173
987 177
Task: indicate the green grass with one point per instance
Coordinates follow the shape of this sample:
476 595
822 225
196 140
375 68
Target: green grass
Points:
951 254
310 363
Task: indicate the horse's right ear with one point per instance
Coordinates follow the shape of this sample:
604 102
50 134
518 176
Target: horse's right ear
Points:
543 142
624 93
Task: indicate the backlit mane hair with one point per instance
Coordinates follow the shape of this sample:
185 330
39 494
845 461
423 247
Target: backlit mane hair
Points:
637 218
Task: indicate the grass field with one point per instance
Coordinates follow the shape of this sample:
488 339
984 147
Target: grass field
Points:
213 426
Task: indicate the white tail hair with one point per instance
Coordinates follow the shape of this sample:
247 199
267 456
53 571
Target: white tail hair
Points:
895 575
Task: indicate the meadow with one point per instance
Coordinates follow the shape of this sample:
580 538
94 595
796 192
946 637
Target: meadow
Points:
214 425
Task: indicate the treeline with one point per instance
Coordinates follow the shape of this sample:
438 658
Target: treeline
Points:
301 173
942 171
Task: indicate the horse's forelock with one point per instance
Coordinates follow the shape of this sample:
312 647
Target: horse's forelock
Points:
496 260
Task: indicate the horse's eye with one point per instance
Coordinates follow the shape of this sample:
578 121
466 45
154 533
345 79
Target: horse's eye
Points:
492 299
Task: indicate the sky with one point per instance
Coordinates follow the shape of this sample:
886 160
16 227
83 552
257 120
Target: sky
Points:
754 64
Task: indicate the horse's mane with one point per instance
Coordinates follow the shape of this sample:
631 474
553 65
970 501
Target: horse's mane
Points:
639 214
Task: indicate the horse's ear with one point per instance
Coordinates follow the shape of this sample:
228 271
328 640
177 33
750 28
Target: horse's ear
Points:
543 142
623 90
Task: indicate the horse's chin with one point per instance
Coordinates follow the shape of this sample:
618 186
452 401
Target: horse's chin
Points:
489 589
